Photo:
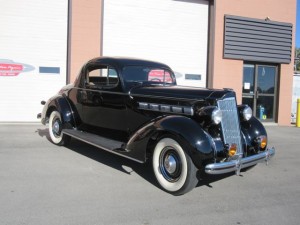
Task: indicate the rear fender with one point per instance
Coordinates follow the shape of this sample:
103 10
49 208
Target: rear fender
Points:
62 105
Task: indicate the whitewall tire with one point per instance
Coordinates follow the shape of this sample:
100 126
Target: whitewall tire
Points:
173 168
55 130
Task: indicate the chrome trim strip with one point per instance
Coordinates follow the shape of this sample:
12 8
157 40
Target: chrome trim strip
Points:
236 165
185 110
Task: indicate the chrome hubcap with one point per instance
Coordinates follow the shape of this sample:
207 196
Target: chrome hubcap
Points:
56 127
170 164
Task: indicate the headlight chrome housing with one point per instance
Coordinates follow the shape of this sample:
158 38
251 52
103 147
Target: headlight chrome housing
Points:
216 116
247 113
211 114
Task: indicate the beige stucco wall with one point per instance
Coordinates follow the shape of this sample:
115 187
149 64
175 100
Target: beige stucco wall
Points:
84 33
229 73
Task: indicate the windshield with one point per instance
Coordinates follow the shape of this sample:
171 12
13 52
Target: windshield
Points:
147 75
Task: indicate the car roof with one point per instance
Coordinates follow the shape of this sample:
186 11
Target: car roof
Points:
121 62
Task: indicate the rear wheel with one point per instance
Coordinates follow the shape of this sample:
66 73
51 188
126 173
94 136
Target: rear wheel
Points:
55 130
173 168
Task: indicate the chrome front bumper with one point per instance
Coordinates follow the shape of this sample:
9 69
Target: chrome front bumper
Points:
240 163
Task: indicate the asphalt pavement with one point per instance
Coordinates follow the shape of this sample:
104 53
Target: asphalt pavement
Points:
41 183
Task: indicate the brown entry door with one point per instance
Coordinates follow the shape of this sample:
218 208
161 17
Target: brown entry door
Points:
259 90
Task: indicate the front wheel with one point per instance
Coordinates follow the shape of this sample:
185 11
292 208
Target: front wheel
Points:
173 168
55 130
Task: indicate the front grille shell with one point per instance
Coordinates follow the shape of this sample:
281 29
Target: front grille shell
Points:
231 131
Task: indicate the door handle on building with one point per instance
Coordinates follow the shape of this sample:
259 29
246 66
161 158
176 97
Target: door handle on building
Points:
256 94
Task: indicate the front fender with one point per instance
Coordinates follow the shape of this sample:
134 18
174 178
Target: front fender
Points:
196 140
62 105
252 129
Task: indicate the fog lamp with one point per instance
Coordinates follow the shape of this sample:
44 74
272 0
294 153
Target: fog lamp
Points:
232 150
262 141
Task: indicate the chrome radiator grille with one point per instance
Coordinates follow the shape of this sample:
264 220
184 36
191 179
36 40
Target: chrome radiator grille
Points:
230 123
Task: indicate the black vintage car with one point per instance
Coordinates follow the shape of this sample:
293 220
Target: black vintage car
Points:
135 109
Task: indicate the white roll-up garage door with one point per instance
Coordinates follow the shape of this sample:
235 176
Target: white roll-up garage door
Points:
174 32
33 48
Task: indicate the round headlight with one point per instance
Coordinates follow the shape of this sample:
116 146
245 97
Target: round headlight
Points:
247 113
216 116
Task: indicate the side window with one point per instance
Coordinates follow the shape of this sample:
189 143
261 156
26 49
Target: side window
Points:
101 77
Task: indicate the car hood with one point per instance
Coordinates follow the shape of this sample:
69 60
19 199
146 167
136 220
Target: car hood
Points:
180 92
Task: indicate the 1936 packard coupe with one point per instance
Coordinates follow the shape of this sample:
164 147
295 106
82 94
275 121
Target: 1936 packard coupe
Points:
135 109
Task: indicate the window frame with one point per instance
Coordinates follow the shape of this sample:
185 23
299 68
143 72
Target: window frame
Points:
105 84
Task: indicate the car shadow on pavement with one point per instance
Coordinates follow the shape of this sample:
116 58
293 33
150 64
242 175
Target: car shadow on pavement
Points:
119 163
125 165
44 133
207 180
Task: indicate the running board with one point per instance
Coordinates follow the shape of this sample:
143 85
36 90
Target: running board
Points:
106 144
95 140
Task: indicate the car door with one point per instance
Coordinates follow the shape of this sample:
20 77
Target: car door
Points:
104 108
